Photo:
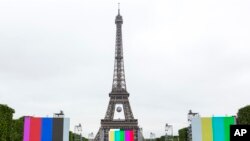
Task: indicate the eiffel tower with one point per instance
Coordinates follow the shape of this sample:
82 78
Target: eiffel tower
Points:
118 95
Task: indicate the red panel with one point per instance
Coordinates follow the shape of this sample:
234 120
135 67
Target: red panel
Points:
131 135
35 129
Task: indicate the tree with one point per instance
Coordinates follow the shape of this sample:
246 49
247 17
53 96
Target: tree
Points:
6 114
17 129
183 134
73 135
163 138
244 115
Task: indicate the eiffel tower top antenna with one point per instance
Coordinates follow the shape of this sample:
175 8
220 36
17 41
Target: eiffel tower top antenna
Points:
119 83
118 8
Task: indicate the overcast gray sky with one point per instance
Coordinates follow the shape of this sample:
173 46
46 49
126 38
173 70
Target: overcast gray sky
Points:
179 55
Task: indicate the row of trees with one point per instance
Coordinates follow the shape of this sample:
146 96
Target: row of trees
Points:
243 116
163 138
73 137
10 130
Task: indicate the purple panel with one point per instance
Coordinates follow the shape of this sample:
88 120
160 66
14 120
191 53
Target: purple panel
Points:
127 135
26 132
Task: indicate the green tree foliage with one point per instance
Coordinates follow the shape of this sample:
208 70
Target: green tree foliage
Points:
244 115
6 114
17 129
183 134
72 137
163 138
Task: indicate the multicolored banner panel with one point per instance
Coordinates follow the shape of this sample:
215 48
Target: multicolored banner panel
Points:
121 135
46 129
211 128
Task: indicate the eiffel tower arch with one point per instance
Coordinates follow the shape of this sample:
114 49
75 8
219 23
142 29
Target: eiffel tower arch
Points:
118 95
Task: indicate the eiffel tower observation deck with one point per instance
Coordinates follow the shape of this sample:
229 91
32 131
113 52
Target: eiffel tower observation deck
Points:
119 102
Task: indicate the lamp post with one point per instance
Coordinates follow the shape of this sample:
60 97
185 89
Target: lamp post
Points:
152 136
140 136
91 136
168 129
78 131
59 115
166 134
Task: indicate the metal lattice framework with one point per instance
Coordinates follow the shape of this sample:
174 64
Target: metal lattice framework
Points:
119 83
119 94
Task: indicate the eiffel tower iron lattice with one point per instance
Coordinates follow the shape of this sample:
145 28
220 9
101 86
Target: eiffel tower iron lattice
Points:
118 94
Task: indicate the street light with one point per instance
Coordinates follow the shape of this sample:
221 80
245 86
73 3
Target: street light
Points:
140 136
152 136
78 131
91 136
192 115
168 130
59 115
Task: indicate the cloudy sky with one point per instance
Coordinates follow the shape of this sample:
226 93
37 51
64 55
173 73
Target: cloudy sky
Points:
179 55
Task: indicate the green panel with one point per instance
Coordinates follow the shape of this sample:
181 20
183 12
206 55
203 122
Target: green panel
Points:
206 127
122 135
227 122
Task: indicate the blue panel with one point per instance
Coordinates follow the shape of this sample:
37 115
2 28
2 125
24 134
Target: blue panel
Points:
47 126
196 129
218 129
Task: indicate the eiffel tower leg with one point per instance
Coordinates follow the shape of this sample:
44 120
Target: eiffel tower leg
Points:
110 110
127 110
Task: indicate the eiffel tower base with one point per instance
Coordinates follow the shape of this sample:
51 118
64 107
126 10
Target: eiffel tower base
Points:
106 125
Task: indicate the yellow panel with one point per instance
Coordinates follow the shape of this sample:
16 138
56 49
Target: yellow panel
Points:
111 135
207 131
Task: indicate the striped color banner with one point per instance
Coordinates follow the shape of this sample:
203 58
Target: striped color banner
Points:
117 135
127 136
121 135
196 129
47 124
26 135
211 128
227 122
57 129
131 135
46 129
206 129
66 125
218 128
111 136
35 129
